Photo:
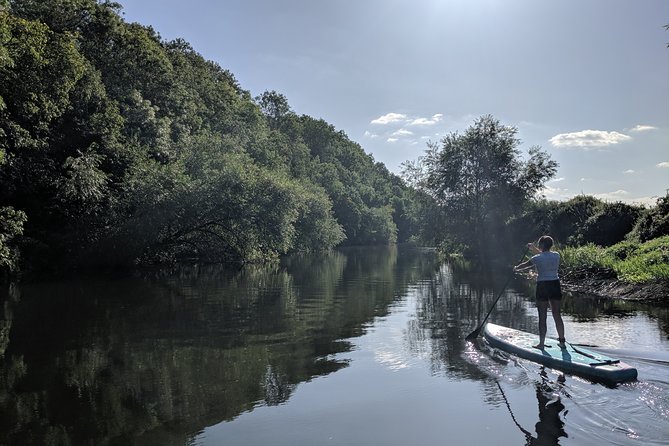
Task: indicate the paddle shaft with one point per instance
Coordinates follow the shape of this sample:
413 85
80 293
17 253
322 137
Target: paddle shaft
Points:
475 333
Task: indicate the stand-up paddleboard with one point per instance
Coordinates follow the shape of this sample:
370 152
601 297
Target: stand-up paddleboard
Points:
570 359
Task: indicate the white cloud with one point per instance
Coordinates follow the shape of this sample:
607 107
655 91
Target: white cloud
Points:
629 171
645 201
557 180
369 134
555 193
391 140
664 164
624 196
389 118
401 132
617 195
427 121
588 139
559 194
642 128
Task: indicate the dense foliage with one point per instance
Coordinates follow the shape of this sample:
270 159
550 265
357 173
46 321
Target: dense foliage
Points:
483 197
579 221
480 180
632 261
653 222
117 146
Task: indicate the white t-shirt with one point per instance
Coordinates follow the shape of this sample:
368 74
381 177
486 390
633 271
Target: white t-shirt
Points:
547 264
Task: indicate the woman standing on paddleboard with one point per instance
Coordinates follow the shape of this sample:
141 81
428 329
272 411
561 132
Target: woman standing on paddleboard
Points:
548 291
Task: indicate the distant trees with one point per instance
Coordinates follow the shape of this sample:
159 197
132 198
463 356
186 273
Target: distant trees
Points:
653 222
608 225
480 181
480 195
274 106
586 220
565 220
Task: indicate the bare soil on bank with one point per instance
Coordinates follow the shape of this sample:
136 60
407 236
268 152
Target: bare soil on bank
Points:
604 283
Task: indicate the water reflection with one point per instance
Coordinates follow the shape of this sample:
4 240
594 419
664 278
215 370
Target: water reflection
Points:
156 358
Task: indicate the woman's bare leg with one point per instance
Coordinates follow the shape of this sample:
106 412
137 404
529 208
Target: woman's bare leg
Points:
557 317
542 308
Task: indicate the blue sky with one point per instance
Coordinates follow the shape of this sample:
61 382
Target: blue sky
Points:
588 81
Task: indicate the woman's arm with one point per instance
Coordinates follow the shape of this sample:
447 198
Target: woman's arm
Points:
523 265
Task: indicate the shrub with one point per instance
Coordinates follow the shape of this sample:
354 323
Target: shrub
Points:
632 262
654 222
650 261
608 225
587 256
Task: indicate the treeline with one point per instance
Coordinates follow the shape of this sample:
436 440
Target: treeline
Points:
118 147
482 193
585 220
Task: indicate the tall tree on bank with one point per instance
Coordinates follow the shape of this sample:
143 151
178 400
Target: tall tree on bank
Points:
480 180
118 148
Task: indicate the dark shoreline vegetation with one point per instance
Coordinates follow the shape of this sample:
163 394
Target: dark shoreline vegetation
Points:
119 149
626 270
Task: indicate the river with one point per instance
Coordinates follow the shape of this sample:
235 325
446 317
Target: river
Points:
353 347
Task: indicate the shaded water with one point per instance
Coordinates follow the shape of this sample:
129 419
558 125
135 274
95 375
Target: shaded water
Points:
354 347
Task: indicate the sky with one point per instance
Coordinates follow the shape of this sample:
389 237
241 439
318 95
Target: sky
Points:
587 81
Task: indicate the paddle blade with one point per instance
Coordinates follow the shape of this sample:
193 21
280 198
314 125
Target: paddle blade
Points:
473 335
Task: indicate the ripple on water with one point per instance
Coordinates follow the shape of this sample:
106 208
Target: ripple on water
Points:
631 413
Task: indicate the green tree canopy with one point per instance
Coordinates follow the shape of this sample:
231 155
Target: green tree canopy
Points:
118 147
653 222
480 180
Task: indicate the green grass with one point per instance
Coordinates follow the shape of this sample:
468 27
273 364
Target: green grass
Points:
632 262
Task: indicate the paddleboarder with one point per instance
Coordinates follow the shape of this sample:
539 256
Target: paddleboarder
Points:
546 262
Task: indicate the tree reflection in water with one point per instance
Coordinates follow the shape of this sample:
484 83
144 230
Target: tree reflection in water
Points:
155 358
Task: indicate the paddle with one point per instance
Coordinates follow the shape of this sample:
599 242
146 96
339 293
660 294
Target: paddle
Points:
474 334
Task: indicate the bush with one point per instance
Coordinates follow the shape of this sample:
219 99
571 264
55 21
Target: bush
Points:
654 222
569 218
632 262
587 256
650 261
608 225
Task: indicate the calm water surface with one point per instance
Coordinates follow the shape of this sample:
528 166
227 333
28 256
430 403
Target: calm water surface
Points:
355 347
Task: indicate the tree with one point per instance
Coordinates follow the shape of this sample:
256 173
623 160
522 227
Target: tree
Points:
608 226
653 222
11 226
118 147
480 180
568 218
274 106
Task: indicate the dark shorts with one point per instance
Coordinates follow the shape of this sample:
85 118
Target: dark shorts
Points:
549 289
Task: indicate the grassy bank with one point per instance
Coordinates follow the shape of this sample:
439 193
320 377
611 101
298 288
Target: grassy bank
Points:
632 262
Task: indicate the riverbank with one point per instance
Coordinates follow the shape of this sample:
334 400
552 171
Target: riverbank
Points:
627 270
604 282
